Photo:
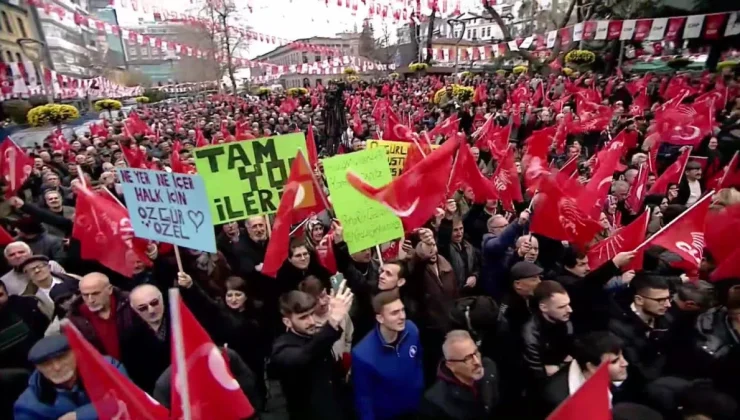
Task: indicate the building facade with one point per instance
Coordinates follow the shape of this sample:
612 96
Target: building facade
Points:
16 22
164 66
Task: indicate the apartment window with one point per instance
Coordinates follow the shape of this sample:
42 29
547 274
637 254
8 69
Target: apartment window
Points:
488 31
6 22
475 33
469 32
304 58
10 56
22 27
18 57
318 58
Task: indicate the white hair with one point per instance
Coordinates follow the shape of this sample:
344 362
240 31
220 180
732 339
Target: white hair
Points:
454 336
16 244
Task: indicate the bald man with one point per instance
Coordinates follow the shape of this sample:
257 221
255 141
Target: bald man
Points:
102 314
148 303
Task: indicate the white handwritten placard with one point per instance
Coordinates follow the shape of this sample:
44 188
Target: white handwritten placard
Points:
169 207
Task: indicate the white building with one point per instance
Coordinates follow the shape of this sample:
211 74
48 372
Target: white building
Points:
70 46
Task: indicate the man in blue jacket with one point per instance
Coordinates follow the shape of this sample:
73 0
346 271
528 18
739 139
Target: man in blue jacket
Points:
55 390
387 370
496 245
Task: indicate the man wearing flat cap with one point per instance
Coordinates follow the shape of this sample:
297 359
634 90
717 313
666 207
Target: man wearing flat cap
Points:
42 280
55 389
690 189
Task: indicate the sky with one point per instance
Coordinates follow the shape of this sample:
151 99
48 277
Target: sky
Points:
289 19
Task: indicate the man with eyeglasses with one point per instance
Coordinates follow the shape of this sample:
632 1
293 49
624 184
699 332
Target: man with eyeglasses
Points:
38 269
300 264
467 386
387 368
644 326
148 335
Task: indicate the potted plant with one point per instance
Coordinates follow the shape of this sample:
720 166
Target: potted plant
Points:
52 114
142 100
107 105
519 70
580 59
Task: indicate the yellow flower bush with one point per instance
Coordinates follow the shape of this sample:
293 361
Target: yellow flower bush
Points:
418 66
567 71
349 70
461 93
729 64
53 114
394 76
107 105
580 57
353 79
466 75
299 91
142 100
520 69
263 91
501 72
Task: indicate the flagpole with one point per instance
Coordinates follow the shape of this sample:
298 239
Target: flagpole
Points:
317 185
179 374
680 176
380 254
647 241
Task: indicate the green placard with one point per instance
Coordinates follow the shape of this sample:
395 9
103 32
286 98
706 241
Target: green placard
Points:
246 178
366 222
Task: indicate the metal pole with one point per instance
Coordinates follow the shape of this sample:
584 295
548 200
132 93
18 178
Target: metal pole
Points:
452 23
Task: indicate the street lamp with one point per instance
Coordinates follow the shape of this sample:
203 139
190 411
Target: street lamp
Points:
34 50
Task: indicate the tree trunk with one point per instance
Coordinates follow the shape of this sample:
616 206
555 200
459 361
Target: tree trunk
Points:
430 35
229 53
414 35
534 62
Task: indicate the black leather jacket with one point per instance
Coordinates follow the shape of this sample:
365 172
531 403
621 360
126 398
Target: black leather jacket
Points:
545 343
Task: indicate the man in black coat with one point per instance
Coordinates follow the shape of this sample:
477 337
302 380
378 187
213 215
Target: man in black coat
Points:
302 358
245 253
21 324
644 327
589 352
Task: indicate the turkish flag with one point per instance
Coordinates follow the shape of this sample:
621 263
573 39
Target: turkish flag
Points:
557 216
672 174
685 234
720 244
416 154
313 154
414 195
278 246
446 128
15 167
111 392
465 172
731 176
310 197
103 227
623 240
135 157
176 163
569 169
201 380
590 401
636 194
200 139
506 180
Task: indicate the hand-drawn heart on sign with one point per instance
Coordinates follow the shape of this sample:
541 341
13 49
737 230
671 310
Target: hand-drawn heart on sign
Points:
197 217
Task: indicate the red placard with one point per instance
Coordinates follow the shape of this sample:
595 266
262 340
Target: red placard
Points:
589 30
675 25
713 24
615 29
642 29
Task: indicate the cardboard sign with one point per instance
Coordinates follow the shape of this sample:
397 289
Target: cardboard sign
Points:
169 207
246 178
396 152
366 222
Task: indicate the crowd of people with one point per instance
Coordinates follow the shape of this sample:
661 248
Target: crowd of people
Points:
475 317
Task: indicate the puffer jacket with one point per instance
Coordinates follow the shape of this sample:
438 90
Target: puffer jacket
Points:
42 401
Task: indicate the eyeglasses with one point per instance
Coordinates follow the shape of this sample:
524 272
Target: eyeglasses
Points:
467 359
153 304
658 300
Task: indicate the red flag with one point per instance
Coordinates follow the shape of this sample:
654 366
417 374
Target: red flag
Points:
729 268
5 237
465 172
310 197
16 166
279 244
719 243
201 380
416 154
111 392
133 125
313 154
623 240
325 252
177 165
672 174
134 156
104 230
200 139
684 235
415 195
506 180
493 138
590 401
557 215
389 251
731 176
446 128
637 190
569 168
590 201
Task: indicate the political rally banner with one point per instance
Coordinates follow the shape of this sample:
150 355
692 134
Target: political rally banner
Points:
246 178
366 222
168 207
396 151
